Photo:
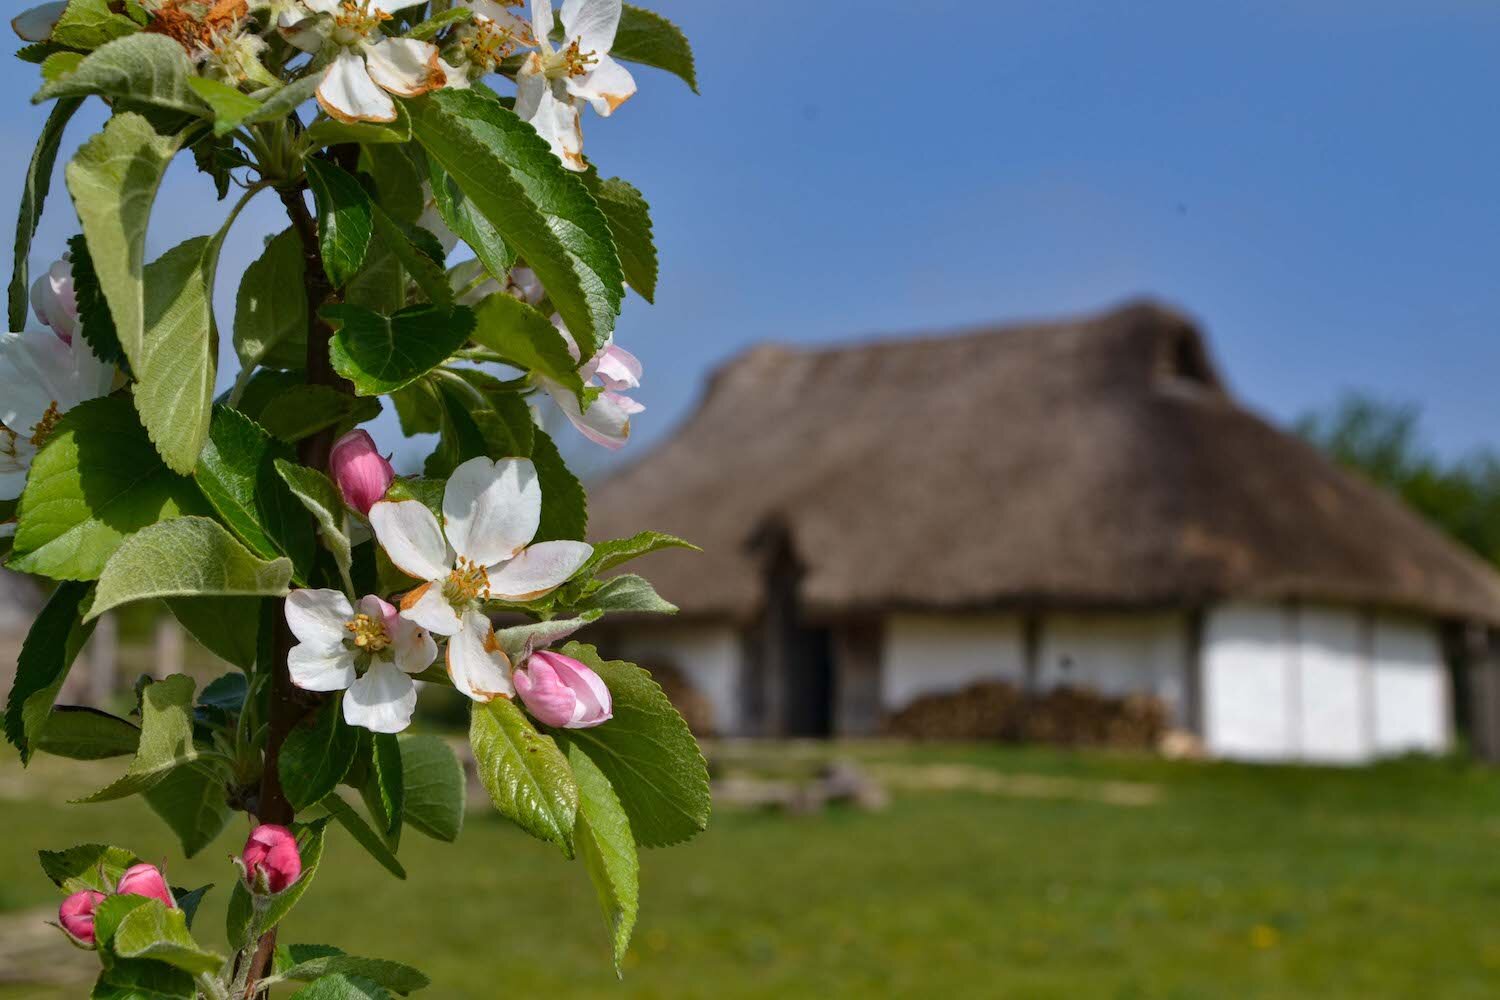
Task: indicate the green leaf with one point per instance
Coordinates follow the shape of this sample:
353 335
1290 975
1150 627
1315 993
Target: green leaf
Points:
241 923
87 866
426 272
648 38
96 481
608 850
88 24
186 557
437 22
607 555
540 208
391 975
270 316
511 328
166 738
228 627
647 752
316 756
331 132
565 506
175 366
237 472
473 426
114 178
366 837
159 933
342 986
286 100
381 354
225 693
192 803
630 221
303 410
344 224
526 775
398 182
94 320
468 222
33 197
143 69
384 789
434 785
630 593
80 733
321 498
188 900
138 979
60 64
53 643
230 105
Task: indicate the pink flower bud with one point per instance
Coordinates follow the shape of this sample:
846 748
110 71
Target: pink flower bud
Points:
53 300
145 880
270 859
562 692
77 915
362 474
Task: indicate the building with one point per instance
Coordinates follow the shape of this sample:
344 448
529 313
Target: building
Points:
1078 503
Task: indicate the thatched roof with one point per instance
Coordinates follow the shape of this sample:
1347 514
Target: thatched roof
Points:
1094 463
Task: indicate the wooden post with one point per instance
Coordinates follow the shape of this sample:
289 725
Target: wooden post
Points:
858 647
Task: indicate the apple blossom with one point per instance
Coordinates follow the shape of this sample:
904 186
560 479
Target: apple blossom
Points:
371 652
54 301
552 82
145 880
562 692
36 23
41 378
361 472
606 421
492 35
270 860
76 915
491 512
366 65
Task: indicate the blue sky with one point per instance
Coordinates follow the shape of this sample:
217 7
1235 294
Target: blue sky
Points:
1316 182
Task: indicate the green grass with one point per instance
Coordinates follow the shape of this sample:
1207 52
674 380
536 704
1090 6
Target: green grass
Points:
1245 882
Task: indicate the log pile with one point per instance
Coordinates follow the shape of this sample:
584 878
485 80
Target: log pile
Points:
695 708
1066 716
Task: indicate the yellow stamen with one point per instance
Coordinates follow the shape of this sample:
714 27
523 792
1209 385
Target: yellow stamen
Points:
45 426
370 634
467 583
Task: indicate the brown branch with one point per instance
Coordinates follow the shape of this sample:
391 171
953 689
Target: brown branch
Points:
290 706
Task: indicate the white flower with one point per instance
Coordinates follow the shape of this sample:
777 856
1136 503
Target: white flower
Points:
284 13
53 298
371 652
612 371
491 510
36 24
367 64
553 81
41 378
491 36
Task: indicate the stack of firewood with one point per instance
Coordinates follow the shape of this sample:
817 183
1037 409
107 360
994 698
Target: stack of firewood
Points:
992 710
695 708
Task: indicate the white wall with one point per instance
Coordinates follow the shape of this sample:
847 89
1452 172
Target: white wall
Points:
934 654
1322 684
1117 655
710 657
1412 710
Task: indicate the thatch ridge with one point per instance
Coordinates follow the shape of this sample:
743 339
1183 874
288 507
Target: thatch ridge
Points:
1100 462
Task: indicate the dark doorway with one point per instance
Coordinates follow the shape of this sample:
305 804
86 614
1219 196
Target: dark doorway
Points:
809 683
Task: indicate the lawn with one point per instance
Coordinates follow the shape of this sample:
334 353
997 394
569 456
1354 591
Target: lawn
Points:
1030 873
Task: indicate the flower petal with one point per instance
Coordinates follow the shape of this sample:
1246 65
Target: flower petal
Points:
39 371
320 668
594 702
617 368
550 110
430 609
540 568
381 701
405 66
541 20
348 94
318 617
606 422
546 697
492 509
606 86
36 24
476 665
410 535
413 647
592 22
